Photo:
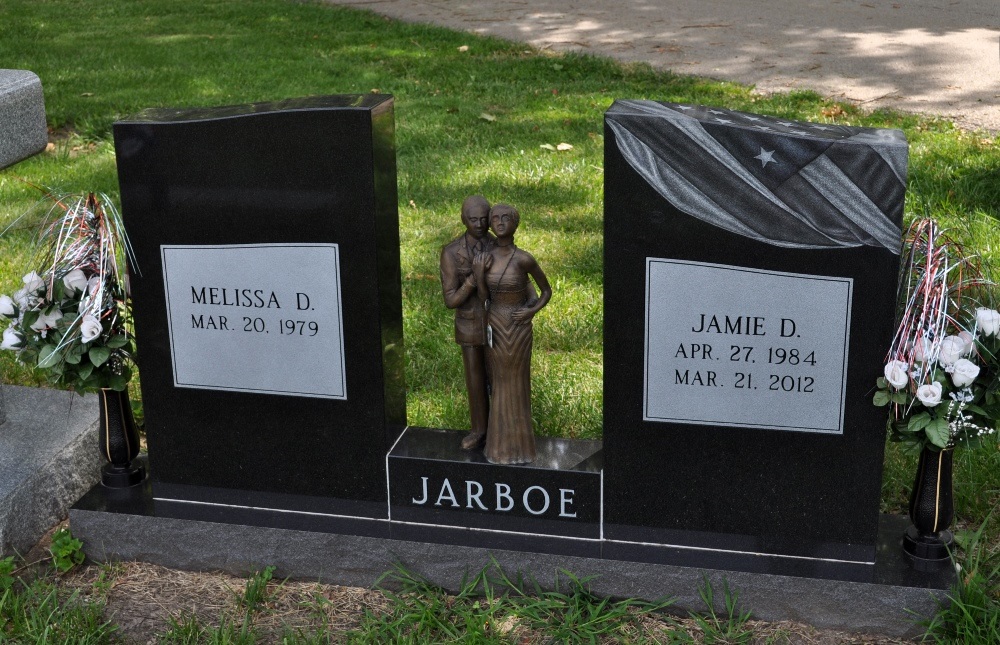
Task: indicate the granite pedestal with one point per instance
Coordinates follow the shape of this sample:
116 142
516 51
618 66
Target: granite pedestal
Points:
48 460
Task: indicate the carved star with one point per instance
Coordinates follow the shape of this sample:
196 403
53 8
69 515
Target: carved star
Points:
723 121
753 118
766 157
716 112
683 107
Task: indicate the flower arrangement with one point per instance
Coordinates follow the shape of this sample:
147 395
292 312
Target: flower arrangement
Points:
942 375
70 317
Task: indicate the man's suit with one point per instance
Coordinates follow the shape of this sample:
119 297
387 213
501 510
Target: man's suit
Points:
459 287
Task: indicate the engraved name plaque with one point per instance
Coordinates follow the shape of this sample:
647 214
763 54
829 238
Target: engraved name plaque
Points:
261 318
735 346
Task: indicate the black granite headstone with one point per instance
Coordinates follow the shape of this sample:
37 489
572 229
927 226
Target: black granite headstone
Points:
266 293
750 275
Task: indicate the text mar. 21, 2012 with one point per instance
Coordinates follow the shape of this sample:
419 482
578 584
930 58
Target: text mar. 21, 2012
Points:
737 346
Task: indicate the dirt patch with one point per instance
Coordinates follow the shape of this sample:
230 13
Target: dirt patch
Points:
147 600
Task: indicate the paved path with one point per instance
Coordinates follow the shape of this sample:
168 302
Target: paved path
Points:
935 56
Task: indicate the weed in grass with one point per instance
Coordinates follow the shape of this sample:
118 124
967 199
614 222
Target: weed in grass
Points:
189 631
256 592
729 628
492 607
66 550
972 613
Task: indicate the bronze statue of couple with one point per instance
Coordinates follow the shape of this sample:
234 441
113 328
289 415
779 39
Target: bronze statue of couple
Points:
485 280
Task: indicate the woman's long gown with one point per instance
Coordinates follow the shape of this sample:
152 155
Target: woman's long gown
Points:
510 438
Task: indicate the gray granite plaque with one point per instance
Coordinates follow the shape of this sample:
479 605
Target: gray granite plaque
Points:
735 346
262 318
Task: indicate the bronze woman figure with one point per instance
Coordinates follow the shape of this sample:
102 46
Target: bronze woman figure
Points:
502 277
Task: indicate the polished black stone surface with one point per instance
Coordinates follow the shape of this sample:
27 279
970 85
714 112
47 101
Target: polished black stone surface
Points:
307 171
742 489
436 484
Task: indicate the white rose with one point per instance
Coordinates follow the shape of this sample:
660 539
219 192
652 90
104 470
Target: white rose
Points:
952 348
965 372
988 321
75 281
93 285
7 307
32 282
930 394
922 350
21 298
969 340
10 339
895 373
46 321
90 328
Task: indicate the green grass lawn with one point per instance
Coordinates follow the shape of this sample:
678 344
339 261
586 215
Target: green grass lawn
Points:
467 122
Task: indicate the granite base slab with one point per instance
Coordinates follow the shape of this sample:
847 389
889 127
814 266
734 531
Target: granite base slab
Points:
48 460
22 116
120 525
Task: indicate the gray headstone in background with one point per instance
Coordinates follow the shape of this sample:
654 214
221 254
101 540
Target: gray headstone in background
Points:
22 116
3 415
48 460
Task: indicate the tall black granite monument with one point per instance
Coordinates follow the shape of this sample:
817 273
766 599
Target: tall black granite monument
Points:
266 291
750 275
750 272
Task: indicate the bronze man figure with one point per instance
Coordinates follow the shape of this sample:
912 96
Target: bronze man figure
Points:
459 285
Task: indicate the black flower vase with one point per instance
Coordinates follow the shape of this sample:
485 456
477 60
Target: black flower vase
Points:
119 440
928 541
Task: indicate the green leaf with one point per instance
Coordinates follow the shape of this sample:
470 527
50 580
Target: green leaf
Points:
92 382
47 358
118 383
73 358
912 447
30 318
898 397
99 355
84 371
919 421
881 383
937 432
881 398
67 551
117 341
